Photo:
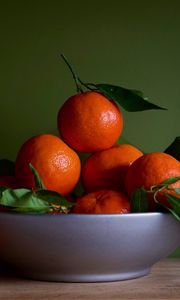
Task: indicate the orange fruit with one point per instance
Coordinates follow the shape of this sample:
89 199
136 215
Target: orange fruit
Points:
102 202
107 169
8 181
57 164
89 122
152 169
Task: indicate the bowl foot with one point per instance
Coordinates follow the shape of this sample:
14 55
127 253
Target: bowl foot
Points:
85 277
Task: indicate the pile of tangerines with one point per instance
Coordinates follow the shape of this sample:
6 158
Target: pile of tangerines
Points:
89 122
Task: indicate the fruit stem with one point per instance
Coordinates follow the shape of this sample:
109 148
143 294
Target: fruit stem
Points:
78 86
89 86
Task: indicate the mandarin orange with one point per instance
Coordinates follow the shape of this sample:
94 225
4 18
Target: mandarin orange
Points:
57 164
152 169
107 169
89 122
102 202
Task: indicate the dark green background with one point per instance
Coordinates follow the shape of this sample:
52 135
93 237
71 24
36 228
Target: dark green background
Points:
135 44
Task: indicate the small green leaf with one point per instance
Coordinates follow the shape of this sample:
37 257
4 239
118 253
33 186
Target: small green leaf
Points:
175 205
130 100
53 197
23 200
2 188
177 190
170 180
10 197
164 185
31 203
139 201
38 182
174 148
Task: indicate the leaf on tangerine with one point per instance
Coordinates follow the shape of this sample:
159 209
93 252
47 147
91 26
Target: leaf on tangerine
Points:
139 201
38 181
130 100
175 205
171 180
23 200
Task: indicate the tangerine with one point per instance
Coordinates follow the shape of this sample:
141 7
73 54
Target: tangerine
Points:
107 169
152 169
89 122
103 202
57 164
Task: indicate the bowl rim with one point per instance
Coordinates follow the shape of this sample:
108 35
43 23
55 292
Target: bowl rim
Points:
89 216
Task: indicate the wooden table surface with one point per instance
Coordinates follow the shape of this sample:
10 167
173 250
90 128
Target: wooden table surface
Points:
162 283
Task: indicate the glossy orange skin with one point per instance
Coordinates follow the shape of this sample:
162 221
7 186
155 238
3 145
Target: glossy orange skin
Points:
8 181
102 202
89 122
57 164
151 169
107 169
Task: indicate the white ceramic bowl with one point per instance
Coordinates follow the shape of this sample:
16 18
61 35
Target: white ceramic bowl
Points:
86 248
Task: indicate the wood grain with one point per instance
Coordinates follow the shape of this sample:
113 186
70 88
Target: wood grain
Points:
162 283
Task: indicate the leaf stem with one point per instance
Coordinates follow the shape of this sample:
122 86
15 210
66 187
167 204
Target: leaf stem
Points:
75 77
89 86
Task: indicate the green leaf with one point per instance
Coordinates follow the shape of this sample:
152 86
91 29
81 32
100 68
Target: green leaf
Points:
53 197
31 203
7 167
164 184
38 182
174 148
177 190
2 188
23 200
175 205
139 93
130 100
9 197
170 180
139 201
